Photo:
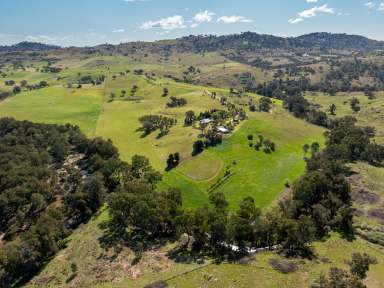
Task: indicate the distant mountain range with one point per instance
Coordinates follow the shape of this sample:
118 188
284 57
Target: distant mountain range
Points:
250 41
28 46
247 41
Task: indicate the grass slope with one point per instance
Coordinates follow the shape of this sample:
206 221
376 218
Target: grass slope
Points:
99 268
56 105
371 113
256 173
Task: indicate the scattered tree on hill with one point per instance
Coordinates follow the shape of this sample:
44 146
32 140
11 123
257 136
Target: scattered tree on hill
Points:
16 90
165 92
134 90
359 265
332 109
198 147
190 118
173 161
112 97
151 123
9 82
176 102
265 104
355 105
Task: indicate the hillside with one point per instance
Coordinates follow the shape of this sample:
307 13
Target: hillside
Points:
238 148
28 46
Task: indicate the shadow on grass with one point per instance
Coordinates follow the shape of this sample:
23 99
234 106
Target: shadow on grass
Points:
117 238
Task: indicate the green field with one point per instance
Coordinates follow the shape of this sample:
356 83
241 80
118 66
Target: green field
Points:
255 173
371 113
56 105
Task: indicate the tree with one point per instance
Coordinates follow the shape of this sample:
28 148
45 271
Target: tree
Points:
16 90
198 147
355 105
173 161
218 201
165 92
190 117
265 104
112 97
297 235
332 109
241 224
315 147
134 90
359 265
252 107
338 278
306 148
177 102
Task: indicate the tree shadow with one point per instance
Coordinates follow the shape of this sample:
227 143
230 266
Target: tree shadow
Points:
144 133
117 238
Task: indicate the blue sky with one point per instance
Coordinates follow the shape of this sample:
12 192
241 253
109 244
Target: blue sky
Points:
91 22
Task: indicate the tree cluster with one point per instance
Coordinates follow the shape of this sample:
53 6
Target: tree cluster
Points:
176 102
151 123
43 194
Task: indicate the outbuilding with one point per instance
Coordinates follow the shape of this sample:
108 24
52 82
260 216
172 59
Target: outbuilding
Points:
223 129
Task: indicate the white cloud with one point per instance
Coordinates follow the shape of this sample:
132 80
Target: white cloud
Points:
233 19
381 7
295 20
315 10
118 31
169 23
312 1
370 5
204 16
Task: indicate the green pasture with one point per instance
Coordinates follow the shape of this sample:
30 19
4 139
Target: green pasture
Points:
371 113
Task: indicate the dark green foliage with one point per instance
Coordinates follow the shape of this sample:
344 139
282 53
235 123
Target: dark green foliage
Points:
332 109
151 123
165 92
241 224
297 105
190 118
338 278
43 195
355 105
265 104
138 209
176 102
212 138
173 161
359 265
197 148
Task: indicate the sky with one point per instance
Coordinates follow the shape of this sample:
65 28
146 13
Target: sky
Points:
92 22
